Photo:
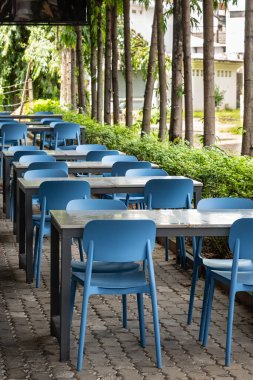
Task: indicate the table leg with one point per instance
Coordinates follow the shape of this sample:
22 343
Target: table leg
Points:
21 228
65 296
82 136
28 236
6 186
197 195
55 286
16 203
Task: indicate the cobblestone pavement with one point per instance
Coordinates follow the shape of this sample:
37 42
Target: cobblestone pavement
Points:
27 351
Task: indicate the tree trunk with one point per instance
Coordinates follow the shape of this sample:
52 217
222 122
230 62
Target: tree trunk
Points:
99 63
186 18
68 78
93 67
108 66
115 58
148 96
161 70
73 79
247 137
63 91
80 65
208 62
177 79
128 64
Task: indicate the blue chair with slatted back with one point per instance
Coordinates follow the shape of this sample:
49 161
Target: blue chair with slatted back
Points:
12 134
210 204
119 169
64 131
97 155
170 194
60 165
53 195
149 172
28 159
101 267
237 279
118 241
85 148
47 136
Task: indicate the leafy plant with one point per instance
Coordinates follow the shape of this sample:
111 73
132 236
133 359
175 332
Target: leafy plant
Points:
218 96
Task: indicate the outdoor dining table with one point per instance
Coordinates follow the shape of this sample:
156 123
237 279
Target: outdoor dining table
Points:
7 157
67 225
99 185
31 117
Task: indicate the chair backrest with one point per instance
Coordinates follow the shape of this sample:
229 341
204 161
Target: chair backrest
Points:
7 121
168 193
57 194
224 203
24 148
27 159
119 168
65 130
97 155
45 173
42 113
60 165
146 173
13 132
89 147
49 120
119 240
19 153
241 230
95 204
5 113
119 157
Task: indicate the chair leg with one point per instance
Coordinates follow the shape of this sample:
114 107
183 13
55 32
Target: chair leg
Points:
40 243
230 327
141 319
82 330
35 252
124 307
208 312
204 306
166 249
72 298
156 327
80 245
182 252
195 275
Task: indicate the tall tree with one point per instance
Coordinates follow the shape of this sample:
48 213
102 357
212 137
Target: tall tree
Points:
177 80
115 58
93 61
186 22
128 64
108 65
247 137
99 62
73 78
80 66
149 88
208 62
161 69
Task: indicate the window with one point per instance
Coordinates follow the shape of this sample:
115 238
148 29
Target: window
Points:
237 14
218 73
230 74
226 74
222 73
197 73
202 73
133 10
193 73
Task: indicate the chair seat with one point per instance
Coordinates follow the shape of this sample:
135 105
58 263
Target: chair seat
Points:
226 264
245 278
114 280
105 267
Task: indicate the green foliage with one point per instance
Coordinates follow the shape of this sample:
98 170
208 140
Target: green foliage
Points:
218 96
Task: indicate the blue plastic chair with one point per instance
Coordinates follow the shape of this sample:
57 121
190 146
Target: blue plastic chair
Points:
5 113
45 173
53 195
65 131
23 148
41 113
119 157
118 241
85 148
61 165
97 155
11 134
209 204
170 194
149 172
44 136
27 159
238 279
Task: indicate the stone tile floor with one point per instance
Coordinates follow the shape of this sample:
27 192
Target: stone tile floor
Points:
27 351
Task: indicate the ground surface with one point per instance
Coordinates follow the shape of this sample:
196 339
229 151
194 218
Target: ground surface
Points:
27 351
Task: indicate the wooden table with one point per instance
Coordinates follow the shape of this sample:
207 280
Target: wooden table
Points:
66 225
31 117
7 157
100 185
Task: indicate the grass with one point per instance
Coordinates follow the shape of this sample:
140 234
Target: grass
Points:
229 118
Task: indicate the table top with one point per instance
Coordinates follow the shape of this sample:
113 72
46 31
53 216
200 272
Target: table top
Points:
77 165
55 153
164 219
31 116
38 127
103 182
